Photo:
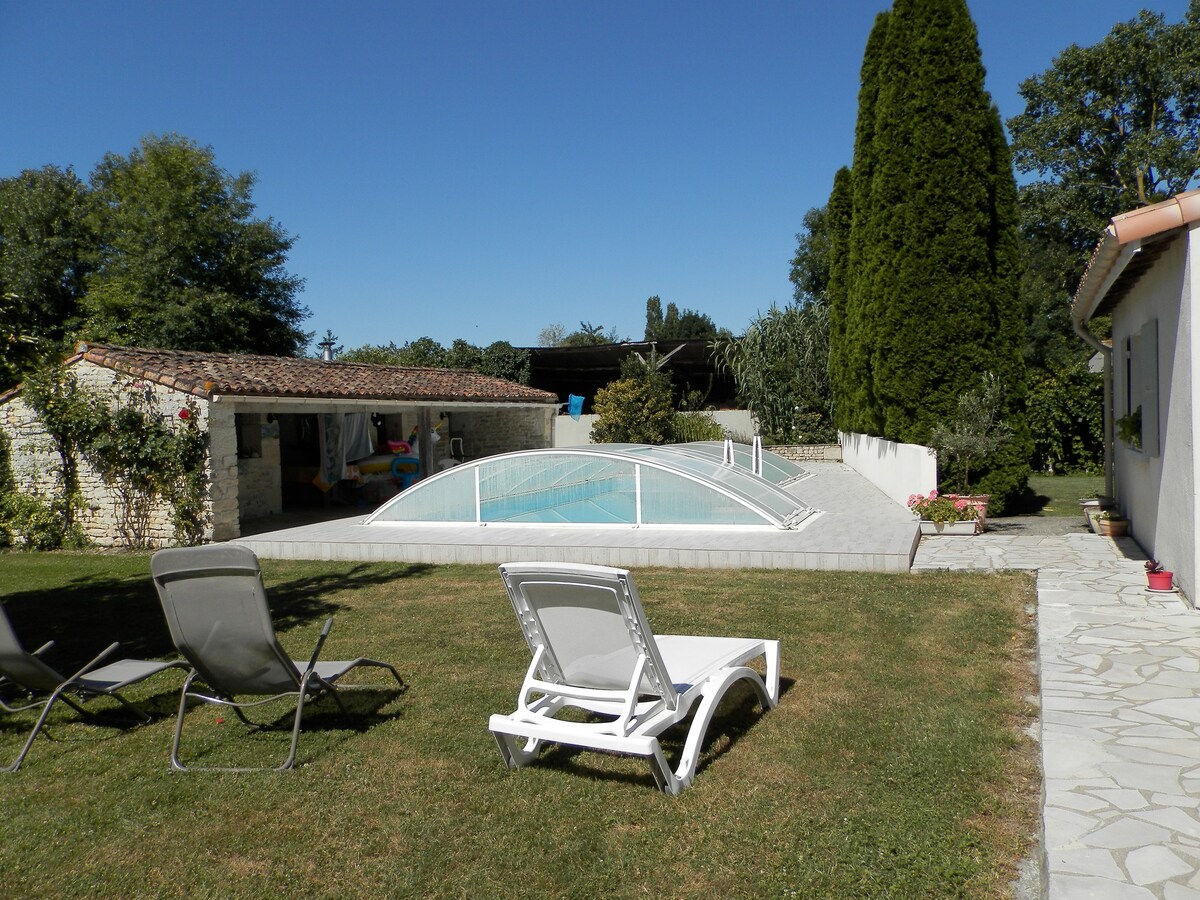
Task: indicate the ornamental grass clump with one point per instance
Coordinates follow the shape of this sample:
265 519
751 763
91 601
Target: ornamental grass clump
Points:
935 507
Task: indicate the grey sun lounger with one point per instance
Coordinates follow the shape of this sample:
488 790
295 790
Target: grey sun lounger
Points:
216 609
31 673
593 649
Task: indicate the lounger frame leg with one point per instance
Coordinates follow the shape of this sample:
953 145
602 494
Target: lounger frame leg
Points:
311 685
59 694
515 754
713 692
33 734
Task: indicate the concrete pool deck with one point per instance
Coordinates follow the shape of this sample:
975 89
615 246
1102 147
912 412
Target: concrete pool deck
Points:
857 528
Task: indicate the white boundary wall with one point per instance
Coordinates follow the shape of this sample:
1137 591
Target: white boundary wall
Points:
571 433
899 470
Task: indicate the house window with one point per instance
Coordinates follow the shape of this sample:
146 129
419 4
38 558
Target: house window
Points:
1139 423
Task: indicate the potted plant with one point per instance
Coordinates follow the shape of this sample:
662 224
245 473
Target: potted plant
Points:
975 433
944 513
1158 578
1129 429
1097 503
1112 524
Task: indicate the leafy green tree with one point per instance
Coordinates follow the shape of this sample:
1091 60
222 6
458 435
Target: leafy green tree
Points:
182 262
1106 129
388 354
1109 128
424 353
780 367
463 355
1066 419
810 265
590 335
837 222
654 318
934 260
499 359
502 360
855 382
688 325
552 335
975 433
46 248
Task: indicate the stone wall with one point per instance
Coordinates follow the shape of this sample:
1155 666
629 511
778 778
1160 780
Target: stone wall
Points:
260 484
36 465
504 430
809 452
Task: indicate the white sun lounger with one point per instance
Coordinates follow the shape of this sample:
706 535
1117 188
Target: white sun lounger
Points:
593 649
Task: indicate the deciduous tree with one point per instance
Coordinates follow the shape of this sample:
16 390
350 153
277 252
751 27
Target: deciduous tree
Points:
46 251
1109 128
182 261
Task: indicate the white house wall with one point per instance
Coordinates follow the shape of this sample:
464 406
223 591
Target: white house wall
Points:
1156 484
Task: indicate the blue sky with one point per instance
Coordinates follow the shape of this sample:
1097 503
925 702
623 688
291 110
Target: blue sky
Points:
484 169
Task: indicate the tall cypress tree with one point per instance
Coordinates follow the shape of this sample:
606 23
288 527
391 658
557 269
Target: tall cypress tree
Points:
855 387
933 299
838 217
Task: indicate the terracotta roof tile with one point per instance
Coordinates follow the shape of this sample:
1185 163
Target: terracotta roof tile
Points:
237 375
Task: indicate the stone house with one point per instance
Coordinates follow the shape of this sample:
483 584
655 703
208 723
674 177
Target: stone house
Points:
1145 273
286 433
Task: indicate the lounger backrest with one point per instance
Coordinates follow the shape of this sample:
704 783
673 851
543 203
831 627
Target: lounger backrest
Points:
216 609
23 668
591 623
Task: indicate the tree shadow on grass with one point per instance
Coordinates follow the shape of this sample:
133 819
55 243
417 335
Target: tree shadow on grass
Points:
1028 503
87 614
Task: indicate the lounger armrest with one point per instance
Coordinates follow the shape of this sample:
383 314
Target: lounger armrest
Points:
312 663
95 662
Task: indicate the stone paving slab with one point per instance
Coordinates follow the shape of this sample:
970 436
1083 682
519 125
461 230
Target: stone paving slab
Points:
1120 714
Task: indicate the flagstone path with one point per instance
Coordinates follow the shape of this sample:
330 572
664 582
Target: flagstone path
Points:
1120 713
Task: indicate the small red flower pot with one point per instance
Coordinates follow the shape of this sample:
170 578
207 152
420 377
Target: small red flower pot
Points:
1160 581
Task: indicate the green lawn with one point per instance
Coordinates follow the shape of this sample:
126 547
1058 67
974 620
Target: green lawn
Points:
894 766
1058 495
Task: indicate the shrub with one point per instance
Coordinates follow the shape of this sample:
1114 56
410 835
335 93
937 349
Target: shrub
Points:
31 523
636 408
696 426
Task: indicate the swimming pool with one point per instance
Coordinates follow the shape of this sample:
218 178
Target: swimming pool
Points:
702 484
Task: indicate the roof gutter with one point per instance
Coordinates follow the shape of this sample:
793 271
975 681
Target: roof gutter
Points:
273 401
1108 262
1121 240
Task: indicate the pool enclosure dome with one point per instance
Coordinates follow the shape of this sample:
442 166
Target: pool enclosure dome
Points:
698 484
